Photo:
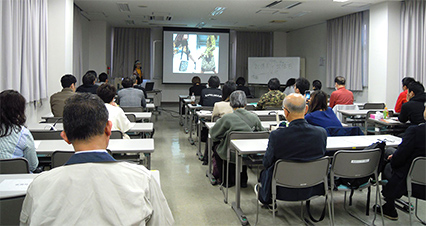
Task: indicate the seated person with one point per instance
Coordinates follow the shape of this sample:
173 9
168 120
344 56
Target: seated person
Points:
119 120
341 95
15 140
274 97
196 86
413 110
57 100
411 147
316 85
289 86
239 120
402 98
300 141
212 94
301 86
93 188
240 86
103 78
138 85
319 112
223 107
88 86
129 96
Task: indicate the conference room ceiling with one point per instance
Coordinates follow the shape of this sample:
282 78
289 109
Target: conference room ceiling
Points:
244 15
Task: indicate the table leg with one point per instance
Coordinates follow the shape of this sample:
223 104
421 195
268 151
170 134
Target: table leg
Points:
180 112
148 160
236 205
186 119
209 170
191 124
200 126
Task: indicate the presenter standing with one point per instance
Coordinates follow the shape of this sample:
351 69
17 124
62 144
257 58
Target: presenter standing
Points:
137 71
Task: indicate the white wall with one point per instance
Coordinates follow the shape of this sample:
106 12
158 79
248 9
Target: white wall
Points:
384 48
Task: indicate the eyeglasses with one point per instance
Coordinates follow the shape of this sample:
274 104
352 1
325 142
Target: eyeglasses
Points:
286 109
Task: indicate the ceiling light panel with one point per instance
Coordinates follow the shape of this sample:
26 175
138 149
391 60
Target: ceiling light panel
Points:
123 7
217 11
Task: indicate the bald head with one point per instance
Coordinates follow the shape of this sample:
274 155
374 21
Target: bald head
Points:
295 105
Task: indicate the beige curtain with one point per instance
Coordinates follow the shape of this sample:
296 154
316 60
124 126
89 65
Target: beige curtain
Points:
129 45
413 40
251 44
345 50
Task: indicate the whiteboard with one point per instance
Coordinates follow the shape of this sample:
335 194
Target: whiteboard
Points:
261 69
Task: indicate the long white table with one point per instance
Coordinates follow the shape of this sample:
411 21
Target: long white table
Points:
13 185
258 146
116 146
146 127
140 116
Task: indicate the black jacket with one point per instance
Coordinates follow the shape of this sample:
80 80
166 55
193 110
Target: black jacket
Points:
413 110
411 147
196 89
209 96
87 89
300 141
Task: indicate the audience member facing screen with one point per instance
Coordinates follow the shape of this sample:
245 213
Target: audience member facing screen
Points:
130 96
212 94
223 107
273 98
301 86
196 86
89 80
319 114
240 86
15 140
116 115
316 85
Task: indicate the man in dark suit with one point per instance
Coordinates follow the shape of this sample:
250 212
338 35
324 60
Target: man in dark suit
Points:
300 141
97 189
411 147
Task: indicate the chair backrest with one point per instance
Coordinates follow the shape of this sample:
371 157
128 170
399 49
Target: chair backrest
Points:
54 120
132 109
47 135
250 107
355 164
273 107
11 210
248 135
59 158
343 131
116 134
338 107
293 174
207 108
417 172
374 106
14 166
131 117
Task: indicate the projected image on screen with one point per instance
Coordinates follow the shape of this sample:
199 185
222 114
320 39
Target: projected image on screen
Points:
194 53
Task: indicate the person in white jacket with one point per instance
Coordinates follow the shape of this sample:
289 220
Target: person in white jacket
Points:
92 188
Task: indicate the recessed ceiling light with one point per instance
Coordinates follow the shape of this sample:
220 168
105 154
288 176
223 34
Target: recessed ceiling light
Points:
217 11
340 0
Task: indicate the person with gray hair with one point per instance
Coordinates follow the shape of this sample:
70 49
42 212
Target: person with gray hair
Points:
300 141
239 120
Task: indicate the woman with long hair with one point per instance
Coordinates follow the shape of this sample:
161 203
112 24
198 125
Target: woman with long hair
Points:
15 140
319 113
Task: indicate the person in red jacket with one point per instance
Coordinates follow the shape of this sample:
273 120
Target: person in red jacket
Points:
341 95
402 98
